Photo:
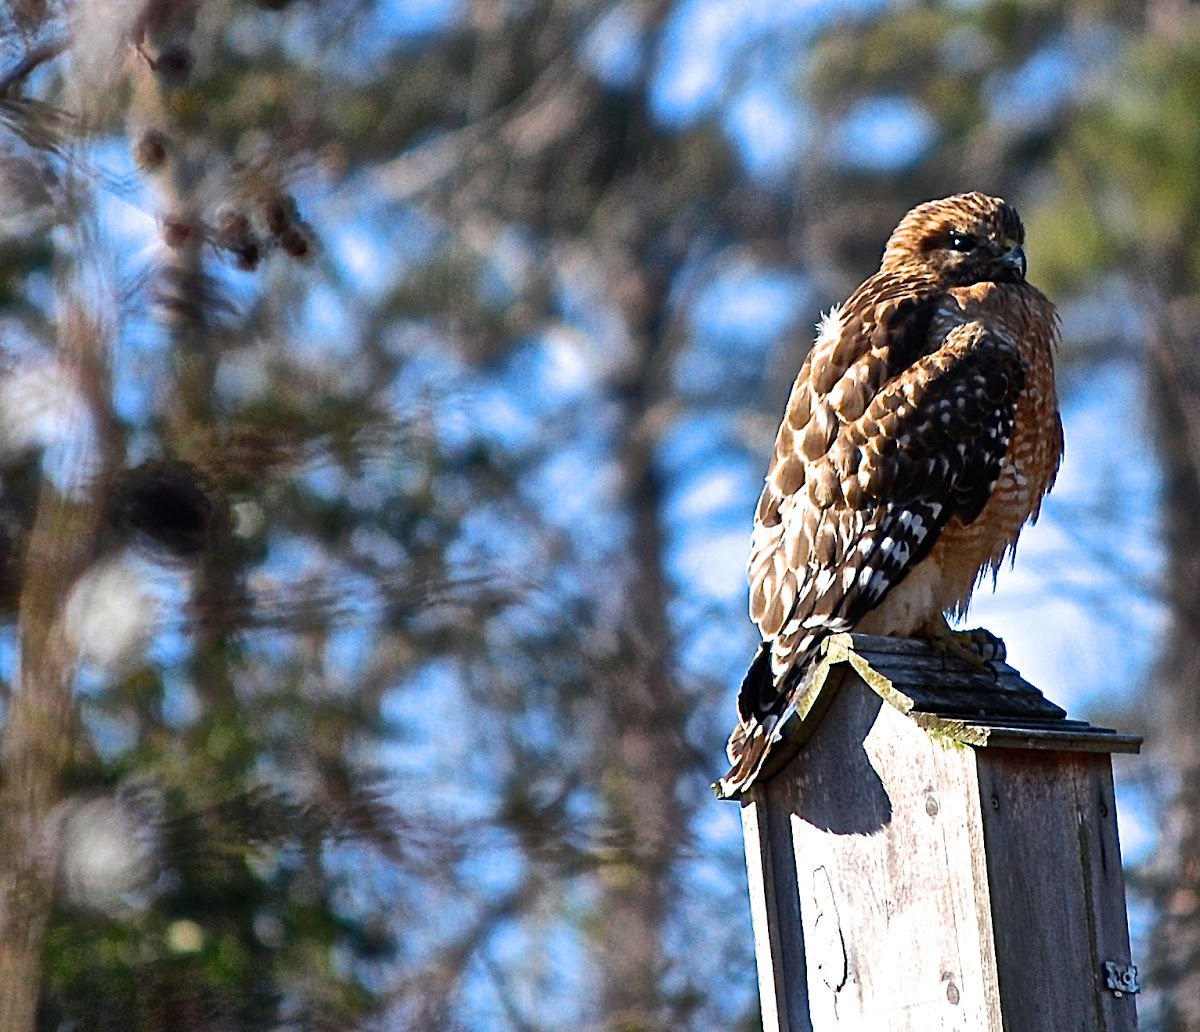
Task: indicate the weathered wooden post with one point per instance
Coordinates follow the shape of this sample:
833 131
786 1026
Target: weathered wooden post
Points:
935 848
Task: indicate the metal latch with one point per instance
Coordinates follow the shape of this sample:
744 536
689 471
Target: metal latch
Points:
1121 978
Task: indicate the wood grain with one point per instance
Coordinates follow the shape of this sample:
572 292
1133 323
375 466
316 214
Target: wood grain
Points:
904 880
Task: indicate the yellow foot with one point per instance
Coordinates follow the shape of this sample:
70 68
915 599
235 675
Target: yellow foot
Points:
978 646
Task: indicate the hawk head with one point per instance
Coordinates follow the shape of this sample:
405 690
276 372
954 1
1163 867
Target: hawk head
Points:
960 240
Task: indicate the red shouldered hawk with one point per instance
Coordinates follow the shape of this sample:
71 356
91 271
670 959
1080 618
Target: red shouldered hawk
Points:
920 436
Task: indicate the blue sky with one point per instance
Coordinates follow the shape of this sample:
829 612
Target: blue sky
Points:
1082 631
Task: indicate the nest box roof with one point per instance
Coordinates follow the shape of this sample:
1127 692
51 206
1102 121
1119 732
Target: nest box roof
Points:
989 707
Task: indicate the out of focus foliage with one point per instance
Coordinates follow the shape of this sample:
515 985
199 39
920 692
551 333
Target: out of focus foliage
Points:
383 393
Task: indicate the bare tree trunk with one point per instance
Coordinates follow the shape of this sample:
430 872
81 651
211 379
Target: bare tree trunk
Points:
646 756
35 752
1172 878
641 772
37 743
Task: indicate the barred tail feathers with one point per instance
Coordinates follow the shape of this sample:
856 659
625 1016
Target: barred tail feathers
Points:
763 699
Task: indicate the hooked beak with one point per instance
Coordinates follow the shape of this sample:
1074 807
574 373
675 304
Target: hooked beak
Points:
1015 259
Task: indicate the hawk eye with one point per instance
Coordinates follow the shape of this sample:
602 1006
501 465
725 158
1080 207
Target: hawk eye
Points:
963 242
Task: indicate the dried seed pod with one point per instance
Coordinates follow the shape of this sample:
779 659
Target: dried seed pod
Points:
278 213
176 231
295 243
231 229
247 254
173 63
150 151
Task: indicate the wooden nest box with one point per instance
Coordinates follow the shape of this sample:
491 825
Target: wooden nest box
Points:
934 846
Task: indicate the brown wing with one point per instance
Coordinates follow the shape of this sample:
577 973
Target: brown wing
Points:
871 462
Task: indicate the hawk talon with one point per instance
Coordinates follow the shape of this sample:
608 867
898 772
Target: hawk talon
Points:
978 646
990 647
